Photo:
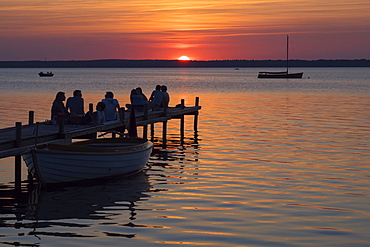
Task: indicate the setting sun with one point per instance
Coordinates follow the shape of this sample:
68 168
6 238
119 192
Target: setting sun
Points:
184 58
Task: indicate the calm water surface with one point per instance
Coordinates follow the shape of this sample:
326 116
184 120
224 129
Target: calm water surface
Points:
273 163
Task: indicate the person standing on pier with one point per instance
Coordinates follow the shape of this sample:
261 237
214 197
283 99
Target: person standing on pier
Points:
111 105
58 110
75 104
156 98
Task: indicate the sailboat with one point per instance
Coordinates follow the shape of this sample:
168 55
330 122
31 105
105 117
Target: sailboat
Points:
282 74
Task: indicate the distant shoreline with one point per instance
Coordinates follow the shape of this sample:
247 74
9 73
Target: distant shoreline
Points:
123 63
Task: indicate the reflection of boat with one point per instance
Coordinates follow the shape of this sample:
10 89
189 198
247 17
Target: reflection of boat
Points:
282 74
39 211
46 74
56 163
94 201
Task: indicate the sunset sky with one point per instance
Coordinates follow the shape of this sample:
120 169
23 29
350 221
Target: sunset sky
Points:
201 30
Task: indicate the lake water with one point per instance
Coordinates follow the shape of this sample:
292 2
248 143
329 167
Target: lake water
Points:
274 162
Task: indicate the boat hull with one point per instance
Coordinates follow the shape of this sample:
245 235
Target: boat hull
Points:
54 166
280 75
41 74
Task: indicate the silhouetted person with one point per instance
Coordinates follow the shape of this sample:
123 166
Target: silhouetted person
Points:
99 115
111 105
137 100
75 104
58 110
166 96
140 92
156 98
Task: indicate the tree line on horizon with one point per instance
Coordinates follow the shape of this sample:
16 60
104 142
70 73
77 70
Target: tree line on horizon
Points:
147 63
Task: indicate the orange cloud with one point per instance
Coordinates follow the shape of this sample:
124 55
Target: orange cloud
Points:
196 26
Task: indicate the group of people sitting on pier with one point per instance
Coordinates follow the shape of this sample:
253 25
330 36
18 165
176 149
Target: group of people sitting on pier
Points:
157 100
107 109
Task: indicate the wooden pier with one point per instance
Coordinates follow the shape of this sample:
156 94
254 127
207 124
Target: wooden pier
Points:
16 140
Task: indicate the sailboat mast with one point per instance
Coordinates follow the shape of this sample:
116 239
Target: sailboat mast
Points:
287 53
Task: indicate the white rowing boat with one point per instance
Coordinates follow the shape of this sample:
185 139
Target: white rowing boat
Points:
86 160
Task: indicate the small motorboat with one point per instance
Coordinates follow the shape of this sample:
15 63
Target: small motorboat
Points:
42 74
87 160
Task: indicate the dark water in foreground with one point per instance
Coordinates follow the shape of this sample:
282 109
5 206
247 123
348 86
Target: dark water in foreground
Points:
274 163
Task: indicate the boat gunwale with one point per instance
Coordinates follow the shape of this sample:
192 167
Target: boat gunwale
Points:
273 72
82 147
94 152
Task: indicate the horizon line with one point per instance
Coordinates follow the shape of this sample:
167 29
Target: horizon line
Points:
186 61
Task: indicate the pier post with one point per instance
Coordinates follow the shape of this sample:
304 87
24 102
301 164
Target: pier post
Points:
18 172
182 123
61 125
122 114
145 131
196 115
165 109
196 101
31 116
152 131
91 107
18 160
18 134
122 118
182 132
146 116
164 134
146 111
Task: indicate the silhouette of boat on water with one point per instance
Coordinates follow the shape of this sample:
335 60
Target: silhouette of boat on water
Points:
42 74
281 74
